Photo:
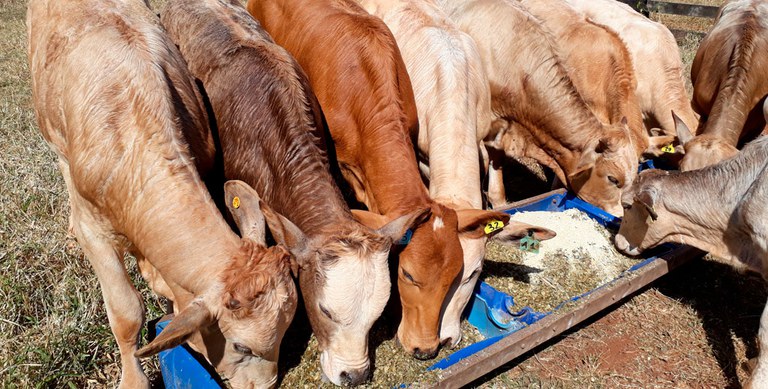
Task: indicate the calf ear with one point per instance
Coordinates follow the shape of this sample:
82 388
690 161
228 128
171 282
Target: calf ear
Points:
284 231
396 228
578 176
683 133
658 145
243 204
516 231
476 223
369 219
190 320
648 198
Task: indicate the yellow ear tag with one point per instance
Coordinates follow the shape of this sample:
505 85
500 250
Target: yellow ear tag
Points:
668 149
493 225
236 202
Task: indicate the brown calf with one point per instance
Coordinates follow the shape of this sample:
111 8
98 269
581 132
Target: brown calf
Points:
531 90
600 67
355 68
267 119
453 99
729 84
112 96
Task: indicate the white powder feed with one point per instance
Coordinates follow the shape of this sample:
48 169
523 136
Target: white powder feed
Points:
579 238
580 258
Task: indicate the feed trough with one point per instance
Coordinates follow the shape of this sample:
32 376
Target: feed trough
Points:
510 328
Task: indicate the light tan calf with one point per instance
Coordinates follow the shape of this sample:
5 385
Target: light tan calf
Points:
719 208
112 95
600 67
656 60
531 90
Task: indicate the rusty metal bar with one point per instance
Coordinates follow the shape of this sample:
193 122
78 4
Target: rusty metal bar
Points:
520 342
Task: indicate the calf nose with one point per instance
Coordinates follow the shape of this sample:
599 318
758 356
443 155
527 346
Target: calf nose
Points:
354 377
450 343
424 354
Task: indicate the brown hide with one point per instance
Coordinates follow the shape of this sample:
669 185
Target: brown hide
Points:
356 71
728 87
530 86
268 119
656 61
598 64
112 96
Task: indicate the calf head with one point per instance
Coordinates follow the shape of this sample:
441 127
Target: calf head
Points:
344 279
429 266
473 245
241 322
645 222
703 150
605 167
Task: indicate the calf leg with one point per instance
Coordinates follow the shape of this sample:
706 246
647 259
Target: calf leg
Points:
125 309
759 378
497 194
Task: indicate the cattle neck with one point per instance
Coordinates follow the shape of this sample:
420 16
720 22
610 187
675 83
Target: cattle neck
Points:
276 148
740 31
726 185
173 222
390 168
565 138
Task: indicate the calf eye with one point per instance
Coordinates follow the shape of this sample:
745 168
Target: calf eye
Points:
325 312
408 276
613 180
243 349
626 206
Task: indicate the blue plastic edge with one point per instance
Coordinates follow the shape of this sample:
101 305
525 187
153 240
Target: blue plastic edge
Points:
182 370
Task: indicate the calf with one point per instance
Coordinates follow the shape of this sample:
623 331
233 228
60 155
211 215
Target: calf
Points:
355 68
720 209
729 84
453 99
655 57
600 67
112 97
267 119
531 90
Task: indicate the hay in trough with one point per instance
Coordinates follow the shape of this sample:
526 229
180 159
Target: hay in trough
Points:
300 357
580 258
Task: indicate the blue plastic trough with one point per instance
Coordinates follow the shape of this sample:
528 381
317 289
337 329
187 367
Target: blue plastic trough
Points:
510 330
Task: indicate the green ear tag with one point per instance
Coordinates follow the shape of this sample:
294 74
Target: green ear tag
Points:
668 149
530 244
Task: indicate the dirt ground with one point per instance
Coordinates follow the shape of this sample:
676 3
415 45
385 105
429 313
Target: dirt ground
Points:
694 328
